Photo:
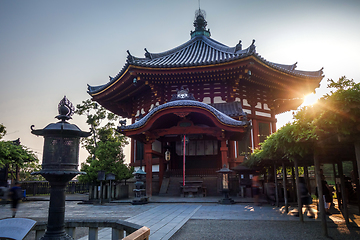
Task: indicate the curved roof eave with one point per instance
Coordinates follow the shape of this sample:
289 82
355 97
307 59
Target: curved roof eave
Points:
95 89
201 51
291 69
223 118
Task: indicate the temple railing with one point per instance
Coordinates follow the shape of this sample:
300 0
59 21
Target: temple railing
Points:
119 229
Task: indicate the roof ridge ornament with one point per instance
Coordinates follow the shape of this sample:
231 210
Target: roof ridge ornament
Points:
200 24
130 58
238 46
252 47
182 94
147 54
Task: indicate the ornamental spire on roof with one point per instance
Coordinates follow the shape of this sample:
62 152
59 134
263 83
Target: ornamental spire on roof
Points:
200 24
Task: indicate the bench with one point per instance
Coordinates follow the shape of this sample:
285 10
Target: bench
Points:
193 188
190 190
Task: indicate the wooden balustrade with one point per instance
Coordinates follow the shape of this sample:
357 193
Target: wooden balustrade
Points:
119 228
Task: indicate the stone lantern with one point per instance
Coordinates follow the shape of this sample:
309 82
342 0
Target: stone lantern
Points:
60 163
225 185
139 190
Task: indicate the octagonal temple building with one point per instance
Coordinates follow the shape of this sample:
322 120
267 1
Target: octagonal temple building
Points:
200 106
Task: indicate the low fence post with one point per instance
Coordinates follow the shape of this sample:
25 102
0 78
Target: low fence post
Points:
39 234
93 233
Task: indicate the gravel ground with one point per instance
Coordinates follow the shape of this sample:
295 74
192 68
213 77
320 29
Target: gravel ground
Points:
239 229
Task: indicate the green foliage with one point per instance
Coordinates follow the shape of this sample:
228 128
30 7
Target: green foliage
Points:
292 141
28 168
339 111
335 113
2 130
105 146
13 156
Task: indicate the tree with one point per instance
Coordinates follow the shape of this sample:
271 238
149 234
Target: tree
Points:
2 131
16 157
105 146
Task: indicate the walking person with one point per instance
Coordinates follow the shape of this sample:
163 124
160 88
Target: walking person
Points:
305 198
15 194
327 195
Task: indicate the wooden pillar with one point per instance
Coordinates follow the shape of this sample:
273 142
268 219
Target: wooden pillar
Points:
273 121
285 189
224 153
276 186
162 163
132 153
320 194
148 168
357 153
231 150
255 125
255 129
293 184
307 179
356 176
336 186
298 191
343 193
132 146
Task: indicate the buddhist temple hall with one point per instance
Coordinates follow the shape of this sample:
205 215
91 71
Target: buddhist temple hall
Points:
199 107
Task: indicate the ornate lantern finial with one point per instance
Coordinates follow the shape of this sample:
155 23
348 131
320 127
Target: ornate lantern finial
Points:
66 109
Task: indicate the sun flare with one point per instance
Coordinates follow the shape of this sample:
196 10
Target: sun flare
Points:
310 99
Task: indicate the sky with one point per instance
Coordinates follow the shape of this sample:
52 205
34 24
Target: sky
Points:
49 49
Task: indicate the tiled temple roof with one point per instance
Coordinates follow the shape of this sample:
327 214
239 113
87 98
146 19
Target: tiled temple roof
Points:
201 50
223 118
232 109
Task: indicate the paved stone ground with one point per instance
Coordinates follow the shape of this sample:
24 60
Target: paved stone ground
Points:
198 219
196 229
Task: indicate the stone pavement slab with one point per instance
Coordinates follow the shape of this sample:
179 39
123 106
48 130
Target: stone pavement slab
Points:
163 220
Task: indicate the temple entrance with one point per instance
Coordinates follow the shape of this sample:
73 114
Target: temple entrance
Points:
202 157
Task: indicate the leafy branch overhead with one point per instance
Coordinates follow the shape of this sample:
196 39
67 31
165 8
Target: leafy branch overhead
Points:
336 113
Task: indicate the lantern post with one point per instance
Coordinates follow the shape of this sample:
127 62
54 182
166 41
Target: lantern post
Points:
225 185
59 165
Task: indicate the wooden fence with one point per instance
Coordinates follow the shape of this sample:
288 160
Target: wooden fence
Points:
43 187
